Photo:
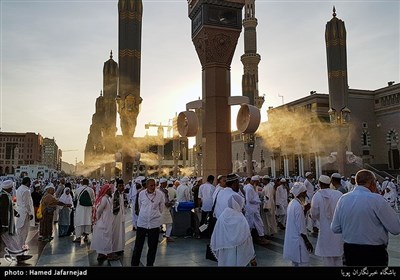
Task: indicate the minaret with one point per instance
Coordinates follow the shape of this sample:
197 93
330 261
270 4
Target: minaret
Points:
128 99
129 36
335 38
110 87
250 60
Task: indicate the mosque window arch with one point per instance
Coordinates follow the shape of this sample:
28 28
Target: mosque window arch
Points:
392 138
365 139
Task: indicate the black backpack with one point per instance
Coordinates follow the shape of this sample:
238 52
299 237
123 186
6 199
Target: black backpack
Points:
85 199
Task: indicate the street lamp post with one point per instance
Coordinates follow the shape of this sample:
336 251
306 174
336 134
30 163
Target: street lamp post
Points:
249 144
340 123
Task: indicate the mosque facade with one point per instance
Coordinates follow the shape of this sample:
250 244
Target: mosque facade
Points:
300 136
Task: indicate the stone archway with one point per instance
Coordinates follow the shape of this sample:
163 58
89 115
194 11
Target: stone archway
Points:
392 140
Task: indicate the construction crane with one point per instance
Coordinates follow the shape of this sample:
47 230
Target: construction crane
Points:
160 130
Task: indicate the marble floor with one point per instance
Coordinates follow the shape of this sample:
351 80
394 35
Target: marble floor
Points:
185 251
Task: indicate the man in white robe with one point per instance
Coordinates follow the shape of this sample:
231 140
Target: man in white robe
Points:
151 205
25 211
231 240
166 217
102 229
7 223
269 206
329 245
296 245
252 209
183 190
118 227
83 214
281 203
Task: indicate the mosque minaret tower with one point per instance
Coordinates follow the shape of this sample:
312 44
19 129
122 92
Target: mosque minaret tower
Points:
250 60
129 35
335 39
130 14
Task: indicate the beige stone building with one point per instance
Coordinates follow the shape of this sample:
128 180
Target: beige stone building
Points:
19 149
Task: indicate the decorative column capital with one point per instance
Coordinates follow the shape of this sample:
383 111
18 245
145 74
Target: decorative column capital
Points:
216 46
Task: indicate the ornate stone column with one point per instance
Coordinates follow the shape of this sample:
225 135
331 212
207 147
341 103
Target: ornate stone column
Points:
216 26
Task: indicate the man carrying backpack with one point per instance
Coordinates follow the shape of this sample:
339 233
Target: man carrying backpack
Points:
83 214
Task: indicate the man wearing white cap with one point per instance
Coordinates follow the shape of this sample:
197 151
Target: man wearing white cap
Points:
269 206
252 209
183 190
206 191
281 203
336 183
311 225
296 245
8 233
166 217
352 183
25 210
329 245
132 198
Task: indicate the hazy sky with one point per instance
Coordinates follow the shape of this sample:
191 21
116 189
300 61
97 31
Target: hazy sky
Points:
52 56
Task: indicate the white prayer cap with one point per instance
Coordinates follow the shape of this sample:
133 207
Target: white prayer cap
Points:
219 177
266 177
324 179
163 180
139 179
298 188
49 186
386 178
352 176
255 178
184 180
169 182
7 184
308 174
336 175
199 179
283 180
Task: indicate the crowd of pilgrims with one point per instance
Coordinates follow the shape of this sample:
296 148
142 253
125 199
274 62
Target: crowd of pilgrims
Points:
258 207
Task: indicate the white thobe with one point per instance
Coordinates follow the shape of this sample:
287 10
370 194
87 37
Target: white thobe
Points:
183 193
294 248
83 214
102 230
205 194
132 200
24 209
252 213
269 204
118 226
323 207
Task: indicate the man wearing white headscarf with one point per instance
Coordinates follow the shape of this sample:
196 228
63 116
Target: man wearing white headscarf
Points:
296 243
183 190
8 233
231 240
329 245
25 210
